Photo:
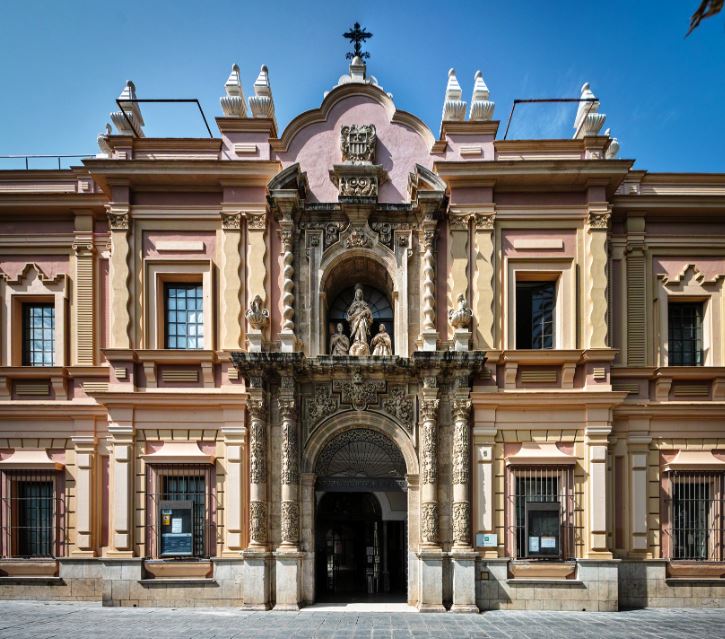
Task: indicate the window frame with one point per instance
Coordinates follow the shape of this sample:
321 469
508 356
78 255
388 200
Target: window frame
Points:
185 286
25 328
530 285
698 354
10 480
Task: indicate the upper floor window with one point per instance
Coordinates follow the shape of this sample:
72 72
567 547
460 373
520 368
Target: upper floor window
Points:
696 511
535 303
184 316
685 333
38 334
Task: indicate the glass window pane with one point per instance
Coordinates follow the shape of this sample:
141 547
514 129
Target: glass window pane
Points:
38 334
184 316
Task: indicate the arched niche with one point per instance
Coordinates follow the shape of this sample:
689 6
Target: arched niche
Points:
375 273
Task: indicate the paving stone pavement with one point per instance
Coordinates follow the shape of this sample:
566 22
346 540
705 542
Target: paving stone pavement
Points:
81 620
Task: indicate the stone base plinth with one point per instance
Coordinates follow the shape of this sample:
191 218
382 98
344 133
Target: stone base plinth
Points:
288 580
287 342
462 340
430 580
429 340
464 581
255 340
256 582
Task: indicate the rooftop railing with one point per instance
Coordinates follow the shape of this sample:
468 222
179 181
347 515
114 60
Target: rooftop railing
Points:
31 162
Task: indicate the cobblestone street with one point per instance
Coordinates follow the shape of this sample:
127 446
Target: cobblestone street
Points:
38 620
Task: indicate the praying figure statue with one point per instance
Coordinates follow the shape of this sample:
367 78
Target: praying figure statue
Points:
339 342
360 318
381 343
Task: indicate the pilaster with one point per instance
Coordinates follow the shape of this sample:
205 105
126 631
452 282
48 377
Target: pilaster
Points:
120 276
597 441
484 437
122 465
234 447
638 452
483 279
231 326
596 275
636 292
85 495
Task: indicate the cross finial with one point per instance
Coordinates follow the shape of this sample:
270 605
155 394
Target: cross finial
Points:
357 36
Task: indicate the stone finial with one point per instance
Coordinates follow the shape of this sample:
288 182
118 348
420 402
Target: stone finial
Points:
613 148
481 107
102 139
132 113
257 316
461 316
453 107
588 120
261 103
232 103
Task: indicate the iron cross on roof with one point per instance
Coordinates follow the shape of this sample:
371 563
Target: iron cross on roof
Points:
358 36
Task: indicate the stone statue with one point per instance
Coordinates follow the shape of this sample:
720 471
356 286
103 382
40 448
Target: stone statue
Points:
257 315
360 318
339 342
381 343
461 316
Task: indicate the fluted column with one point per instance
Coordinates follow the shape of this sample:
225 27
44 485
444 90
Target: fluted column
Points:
290 510
258 518
429 469
461 474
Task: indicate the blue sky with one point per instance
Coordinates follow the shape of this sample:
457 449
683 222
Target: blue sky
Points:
62 64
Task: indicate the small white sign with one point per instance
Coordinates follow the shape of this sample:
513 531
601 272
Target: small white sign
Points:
176 525
533 544
487 540
548 542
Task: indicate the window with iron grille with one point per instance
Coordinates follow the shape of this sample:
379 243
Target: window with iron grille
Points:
184 316
535 314
685 333
540 512
38 334
696 505
181 511
33 514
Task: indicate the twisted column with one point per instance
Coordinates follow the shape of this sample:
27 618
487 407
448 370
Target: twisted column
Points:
290 524
461 474
429 472
288 286
428 282
257 472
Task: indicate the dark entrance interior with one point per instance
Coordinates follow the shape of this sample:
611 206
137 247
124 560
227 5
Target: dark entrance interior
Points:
358 555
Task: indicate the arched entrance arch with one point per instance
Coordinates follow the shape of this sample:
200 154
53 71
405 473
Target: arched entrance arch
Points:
362 471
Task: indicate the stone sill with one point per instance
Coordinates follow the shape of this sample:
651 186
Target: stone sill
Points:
30 581
178 581
544 582
674 581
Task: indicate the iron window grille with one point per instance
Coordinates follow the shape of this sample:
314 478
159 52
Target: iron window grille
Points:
535 314
184 316
695 511
189 486
534 495
32 514
685 333
38 334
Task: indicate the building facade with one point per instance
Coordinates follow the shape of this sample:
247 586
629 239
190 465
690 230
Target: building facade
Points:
356 360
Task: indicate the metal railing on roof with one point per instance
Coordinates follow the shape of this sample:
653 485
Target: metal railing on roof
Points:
26 158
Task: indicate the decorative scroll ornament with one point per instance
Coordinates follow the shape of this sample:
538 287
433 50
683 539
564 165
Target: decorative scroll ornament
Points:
357 238
429 523
358 392
462 523
257 316
322 404
258 522
290 522
485 222
461 316
358 143
358 185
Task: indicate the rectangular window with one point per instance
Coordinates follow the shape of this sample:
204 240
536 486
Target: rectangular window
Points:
541 512
685 333
32 515
535 314
184 316
696 504
38 334
181 510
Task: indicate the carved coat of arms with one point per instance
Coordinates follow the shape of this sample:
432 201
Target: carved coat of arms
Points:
358 143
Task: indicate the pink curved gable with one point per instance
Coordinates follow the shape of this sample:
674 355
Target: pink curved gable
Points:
317 147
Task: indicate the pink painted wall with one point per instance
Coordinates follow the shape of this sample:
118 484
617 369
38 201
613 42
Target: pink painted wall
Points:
317 147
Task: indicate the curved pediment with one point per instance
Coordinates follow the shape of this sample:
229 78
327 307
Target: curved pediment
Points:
313 141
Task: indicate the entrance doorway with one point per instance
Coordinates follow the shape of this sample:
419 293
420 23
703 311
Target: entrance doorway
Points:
361 548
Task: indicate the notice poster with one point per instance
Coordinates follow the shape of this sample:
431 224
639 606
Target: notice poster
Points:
548 542
176 525
533 544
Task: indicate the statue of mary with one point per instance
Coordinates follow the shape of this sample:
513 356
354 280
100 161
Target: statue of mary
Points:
360 318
